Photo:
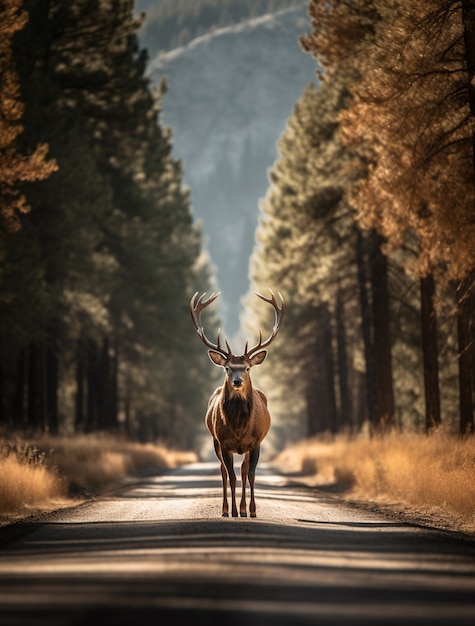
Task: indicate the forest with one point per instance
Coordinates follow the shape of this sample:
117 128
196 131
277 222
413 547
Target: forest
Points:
99 252
368 225
367 228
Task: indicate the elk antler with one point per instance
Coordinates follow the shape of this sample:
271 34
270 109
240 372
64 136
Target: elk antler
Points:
196 306
279 316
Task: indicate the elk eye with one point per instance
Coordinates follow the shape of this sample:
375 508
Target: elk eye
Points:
247 369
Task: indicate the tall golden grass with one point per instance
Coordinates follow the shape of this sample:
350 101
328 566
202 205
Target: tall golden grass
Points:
51 472
432 476
27 486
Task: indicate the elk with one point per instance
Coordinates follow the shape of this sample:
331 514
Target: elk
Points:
237 417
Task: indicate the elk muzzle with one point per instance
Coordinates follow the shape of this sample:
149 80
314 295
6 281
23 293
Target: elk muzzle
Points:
237 382
237 373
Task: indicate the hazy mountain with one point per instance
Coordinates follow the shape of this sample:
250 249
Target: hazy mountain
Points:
230 94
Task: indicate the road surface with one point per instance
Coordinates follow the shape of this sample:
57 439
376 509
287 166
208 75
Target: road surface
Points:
158 552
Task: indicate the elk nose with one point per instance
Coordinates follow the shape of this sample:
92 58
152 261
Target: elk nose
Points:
237 382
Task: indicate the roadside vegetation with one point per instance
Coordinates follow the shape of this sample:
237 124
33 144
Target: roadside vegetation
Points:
46 473
425 479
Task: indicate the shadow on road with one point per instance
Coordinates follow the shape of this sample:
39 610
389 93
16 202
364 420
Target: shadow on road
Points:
306 560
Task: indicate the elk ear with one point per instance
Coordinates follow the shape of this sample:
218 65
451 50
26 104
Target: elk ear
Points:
258 358
217 358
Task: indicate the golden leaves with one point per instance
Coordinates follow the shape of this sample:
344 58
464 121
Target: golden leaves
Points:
411 123
15 168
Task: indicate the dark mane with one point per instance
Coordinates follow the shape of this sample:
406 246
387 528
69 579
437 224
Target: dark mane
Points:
237 410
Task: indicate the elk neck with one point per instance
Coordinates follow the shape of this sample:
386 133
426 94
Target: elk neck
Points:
237 405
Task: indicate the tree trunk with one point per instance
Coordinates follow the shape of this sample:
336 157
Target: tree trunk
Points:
127 417
313 414
19 394
366 326
358 399
468 17
326 372
2 385
430 353
91 420
114 387
37 397
465 359
79 416
107 389
52 381
345 418
382 339
43 386
472 341
103 386
321 400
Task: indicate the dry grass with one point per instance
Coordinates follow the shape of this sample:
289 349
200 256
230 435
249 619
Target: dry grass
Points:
49 472
27 486
431 479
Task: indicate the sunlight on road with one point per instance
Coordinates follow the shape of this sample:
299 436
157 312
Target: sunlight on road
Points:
160 543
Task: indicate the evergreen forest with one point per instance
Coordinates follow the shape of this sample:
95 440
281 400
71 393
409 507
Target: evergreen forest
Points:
99 253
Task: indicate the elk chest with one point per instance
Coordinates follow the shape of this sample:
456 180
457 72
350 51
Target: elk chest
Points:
239 423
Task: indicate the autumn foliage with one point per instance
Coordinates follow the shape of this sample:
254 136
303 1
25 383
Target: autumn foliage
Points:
411 119
15 167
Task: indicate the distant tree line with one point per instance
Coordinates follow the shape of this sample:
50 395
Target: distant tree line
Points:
368 226
174 23
98 252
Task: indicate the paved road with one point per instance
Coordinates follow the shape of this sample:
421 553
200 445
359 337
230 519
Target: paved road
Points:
158 552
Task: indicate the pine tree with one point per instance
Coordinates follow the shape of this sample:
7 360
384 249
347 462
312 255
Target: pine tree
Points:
306 249
342 30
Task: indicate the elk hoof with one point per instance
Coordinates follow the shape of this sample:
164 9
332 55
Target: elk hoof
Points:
243 514
225 514
254 514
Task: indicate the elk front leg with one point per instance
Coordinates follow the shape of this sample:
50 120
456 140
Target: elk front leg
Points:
254 457
228 461
224 477
244 473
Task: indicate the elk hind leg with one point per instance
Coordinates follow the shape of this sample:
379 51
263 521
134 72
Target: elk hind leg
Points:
254 457
224 477
244 474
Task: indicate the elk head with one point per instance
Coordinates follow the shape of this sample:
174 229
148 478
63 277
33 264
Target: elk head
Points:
237 367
